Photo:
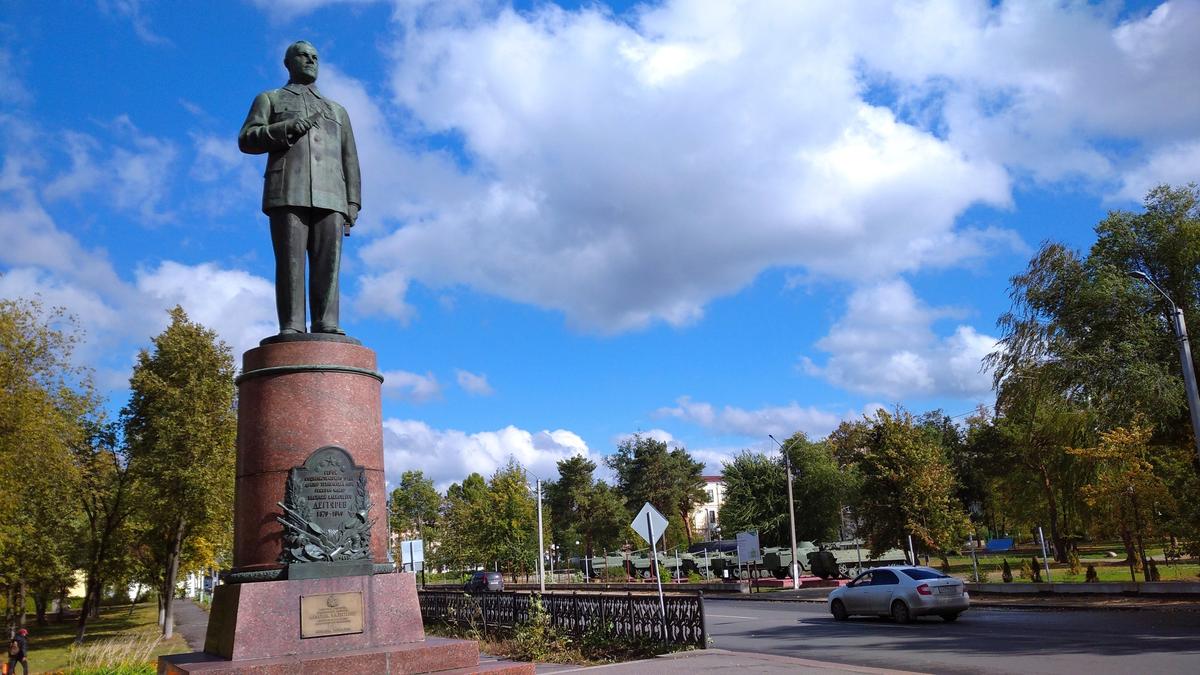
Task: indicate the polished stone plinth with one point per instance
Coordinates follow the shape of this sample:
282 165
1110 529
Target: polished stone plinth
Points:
297 396
294 398
262 620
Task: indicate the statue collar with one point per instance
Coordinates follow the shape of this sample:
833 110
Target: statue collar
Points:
298 89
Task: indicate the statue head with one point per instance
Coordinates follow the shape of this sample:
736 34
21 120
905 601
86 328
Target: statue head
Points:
301 62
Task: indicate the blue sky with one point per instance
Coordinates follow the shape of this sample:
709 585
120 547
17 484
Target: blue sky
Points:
707 221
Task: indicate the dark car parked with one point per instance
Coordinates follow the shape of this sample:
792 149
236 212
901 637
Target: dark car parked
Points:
485 582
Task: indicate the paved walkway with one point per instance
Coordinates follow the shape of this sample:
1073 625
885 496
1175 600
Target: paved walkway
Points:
191 622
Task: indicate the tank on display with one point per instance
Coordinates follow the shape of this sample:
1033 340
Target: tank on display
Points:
719 560
848 558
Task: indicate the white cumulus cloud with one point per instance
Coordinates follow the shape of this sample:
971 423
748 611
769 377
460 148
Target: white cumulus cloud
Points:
780 421
411 386
448 455
472 383
238 305
885 344
628 172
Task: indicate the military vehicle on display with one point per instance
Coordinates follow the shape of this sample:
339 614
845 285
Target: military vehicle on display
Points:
719 560
848 558
778 559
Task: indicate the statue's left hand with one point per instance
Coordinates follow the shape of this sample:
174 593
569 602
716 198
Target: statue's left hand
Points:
353 213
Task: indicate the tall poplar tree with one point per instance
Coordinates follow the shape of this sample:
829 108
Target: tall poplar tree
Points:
181 427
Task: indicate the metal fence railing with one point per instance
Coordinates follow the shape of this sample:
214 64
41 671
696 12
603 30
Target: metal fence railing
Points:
623 616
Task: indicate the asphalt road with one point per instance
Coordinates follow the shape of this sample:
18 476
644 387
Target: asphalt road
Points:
1089 642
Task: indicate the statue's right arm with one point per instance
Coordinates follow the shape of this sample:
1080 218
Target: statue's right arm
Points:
258 135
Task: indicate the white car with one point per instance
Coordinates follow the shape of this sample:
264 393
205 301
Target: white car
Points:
902 592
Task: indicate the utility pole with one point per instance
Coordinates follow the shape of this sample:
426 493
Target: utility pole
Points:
787 464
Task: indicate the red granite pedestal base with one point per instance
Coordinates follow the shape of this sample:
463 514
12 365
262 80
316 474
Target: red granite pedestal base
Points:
295 398
255 628
262 620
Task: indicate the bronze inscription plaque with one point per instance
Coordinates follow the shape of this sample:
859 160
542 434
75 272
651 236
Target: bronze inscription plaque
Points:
331 614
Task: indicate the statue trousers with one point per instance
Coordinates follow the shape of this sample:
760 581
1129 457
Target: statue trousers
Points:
299 233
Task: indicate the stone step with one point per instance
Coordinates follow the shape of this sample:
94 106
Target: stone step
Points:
431 655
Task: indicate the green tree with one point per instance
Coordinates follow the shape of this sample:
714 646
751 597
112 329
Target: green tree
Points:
584 509
669 479
44 399
510 524
462 520
1038 427
907 487
849 441
1126 490
755 498
104 535
603 518
566 497
180 429
1099 337
821 488
415 507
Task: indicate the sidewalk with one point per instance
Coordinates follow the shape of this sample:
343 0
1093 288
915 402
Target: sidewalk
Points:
710 660
191 622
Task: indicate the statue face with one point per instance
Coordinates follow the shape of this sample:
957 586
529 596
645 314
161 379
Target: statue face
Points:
301 62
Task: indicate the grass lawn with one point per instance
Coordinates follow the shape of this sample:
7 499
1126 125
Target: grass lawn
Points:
50 645
1108 569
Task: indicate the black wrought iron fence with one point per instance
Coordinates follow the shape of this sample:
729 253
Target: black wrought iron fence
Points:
625 616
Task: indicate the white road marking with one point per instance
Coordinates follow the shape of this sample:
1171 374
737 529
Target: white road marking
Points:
730 616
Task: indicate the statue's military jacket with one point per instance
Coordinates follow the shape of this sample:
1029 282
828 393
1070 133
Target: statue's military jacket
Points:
318 169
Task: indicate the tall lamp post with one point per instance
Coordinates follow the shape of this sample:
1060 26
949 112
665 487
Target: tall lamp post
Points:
787 464
1185 356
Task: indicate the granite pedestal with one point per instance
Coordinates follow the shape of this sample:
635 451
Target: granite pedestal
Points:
294 398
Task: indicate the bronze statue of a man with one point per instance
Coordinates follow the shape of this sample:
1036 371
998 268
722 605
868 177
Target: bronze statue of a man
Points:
311 191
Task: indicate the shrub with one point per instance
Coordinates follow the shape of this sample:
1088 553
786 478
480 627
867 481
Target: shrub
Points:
615 573
1006 572
1153 568
1073 561
664 574
539 640
695 577
1035 568
1024 572
1092 577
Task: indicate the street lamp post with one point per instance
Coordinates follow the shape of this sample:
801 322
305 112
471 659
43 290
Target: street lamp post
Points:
787 464
1185 357
541 550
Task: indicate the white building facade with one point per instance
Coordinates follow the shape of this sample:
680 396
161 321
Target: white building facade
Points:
706 524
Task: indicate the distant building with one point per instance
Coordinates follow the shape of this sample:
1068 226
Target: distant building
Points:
706 518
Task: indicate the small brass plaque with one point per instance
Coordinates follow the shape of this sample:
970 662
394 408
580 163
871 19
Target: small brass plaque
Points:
331 614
